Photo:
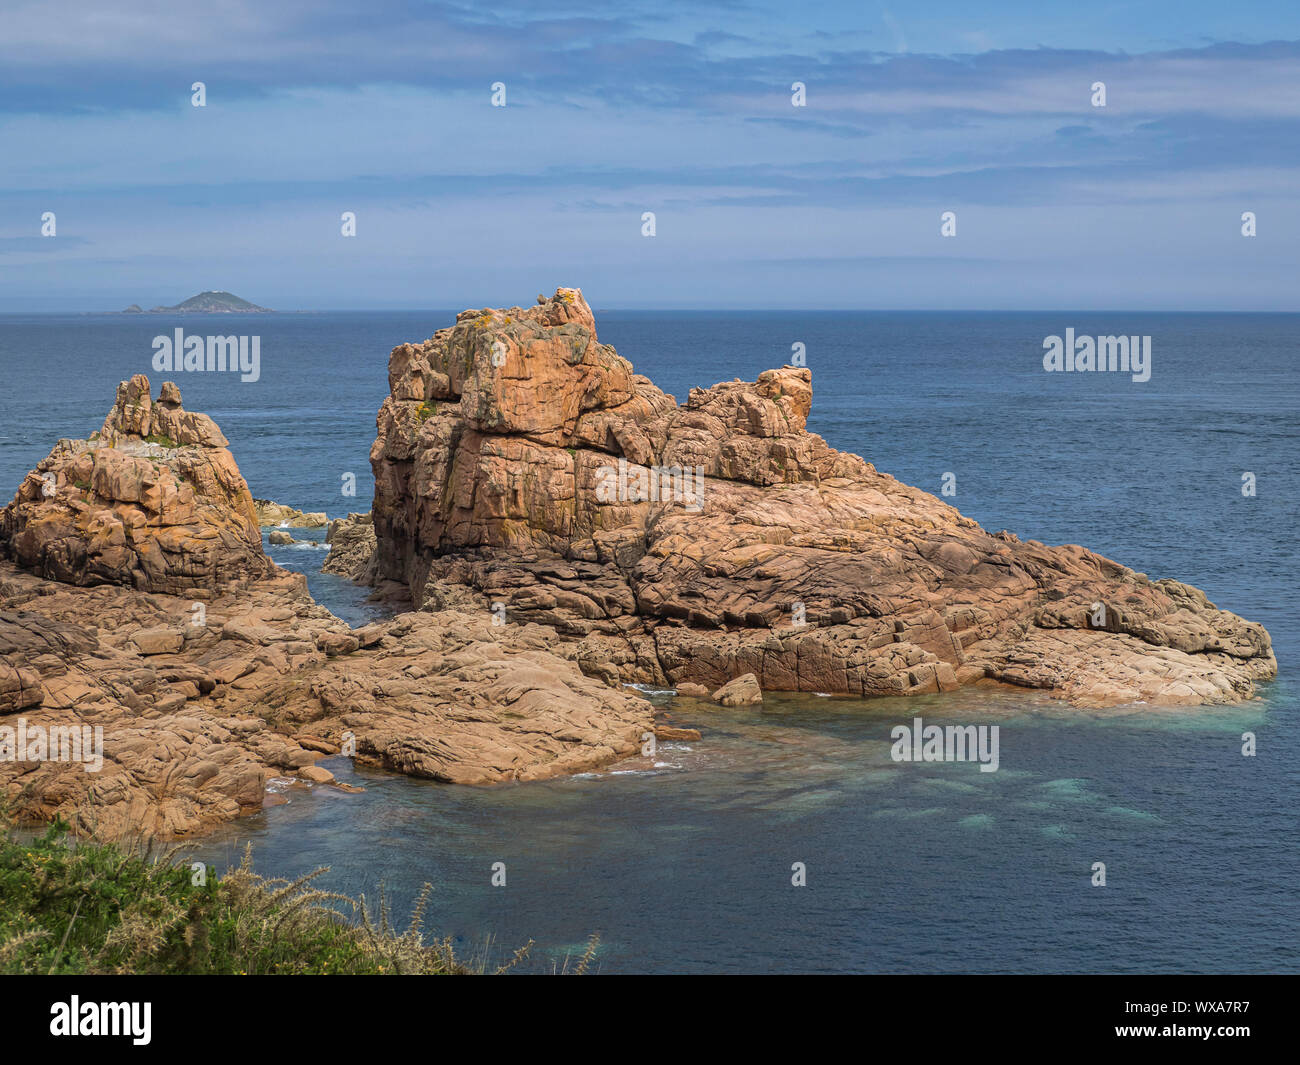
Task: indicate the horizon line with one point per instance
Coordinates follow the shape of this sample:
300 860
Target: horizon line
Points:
661 310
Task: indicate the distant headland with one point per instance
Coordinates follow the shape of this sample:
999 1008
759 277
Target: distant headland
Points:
204 303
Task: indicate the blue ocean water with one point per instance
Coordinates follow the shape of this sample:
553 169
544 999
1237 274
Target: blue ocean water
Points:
686 866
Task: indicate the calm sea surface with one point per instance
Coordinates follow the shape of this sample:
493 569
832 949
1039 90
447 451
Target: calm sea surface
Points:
686 865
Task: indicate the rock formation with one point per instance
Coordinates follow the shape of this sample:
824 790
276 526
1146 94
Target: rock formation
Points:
153 501
743 691
352 546
272 513
139 601
198 718
519 457
524 473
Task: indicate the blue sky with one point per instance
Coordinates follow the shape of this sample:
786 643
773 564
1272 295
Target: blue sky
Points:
617 108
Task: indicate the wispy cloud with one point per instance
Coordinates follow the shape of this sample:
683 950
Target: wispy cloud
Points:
620 107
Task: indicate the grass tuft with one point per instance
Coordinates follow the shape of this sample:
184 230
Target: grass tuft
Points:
84 907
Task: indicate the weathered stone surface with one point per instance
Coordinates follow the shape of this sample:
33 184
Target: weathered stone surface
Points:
152 501
200 708
352 547
20 689
743 691
521 459
192 737
161 641
277 514
316 774
672 732
337 643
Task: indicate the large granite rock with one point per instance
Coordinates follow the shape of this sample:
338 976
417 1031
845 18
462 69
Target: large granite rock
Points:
137 600
519 457
197 719
153 501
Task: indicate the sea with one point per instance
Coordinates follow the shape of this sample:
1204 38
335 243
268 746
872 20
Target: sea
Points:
787 839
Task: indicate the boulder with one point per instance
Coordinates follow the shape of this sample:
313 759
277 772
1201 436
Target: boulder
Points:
271 513
159 641
337 643
316 774
743 691
672 732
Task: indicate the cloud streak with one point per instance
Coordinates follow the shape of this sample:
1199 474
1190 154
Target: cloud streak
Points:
621 107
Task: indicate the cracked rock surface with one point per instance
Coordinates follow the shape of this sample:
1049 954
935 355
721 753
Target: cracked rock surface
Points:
521 459
140 603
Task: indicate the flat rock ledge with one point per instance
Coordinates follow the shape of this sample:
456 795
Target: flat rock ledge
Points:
198 718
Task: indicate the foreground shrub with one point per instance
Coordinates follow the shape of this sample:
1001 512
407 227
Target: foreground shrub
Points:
77 906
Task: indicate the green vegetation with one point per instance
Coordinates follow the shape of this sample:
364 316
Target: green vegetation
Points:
84 907
427 410
163 441
210 302
72 906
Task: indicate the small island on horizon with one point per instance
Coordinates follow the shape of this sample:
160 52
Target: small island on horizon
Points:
204 303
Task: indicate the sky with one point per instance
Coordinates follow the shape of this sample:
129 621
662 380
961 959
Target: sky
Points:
622 107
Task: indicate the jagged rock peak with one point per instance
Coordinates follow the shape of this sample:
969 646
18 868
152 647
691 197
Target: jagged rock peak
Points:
153 500
135 415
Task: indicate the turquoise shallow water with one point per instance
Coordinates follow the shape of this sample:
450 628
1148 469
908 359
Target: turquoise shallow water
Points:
685 864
